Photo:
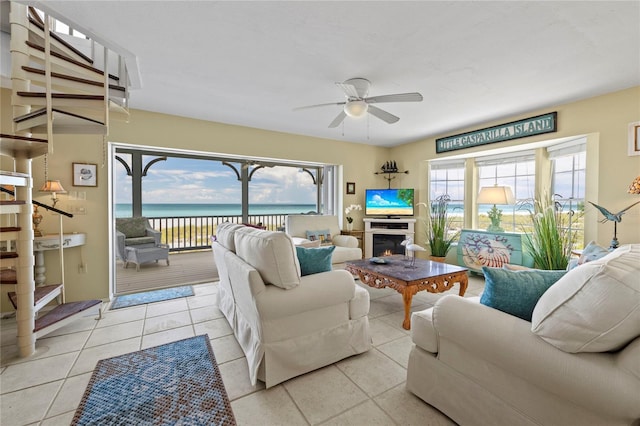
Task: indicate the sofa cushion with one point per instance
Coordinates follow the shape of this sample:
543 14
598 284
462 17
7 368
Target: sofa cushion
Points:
324 236
224 235
132 227
314 260
595 307
272 254
516 292
136 241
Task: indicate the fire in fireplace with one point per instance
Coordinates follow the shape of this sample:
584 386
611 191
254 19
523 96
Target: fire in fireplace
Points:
387 244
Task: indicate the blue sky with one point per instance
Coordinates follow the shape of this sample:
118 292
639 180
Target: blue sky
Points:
185 181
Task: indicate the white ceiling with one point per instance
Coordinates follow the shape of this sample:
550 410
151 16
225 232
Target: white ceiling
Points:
251 63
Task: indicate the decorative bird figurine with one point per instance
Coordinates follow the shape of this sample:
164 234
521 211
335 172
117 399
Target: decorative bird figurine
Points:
413 248
405 243
615 218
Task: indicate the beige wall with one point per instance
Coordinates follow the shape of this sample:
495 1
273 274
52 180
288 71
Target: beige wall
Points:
603 118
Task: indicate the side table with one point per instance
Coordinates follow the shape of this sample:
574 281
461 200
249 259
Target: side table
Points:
359 236
146 254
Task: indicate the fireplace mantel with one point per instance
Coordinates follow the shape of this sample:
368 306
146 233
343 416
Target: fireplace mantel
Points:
374 226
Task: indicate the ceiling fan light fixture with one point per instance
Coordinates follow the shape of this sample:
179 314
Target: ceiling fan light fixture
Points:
356 108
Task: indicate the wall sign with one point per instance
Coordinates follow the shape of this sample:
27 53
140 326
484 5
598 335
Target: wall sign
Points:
545 123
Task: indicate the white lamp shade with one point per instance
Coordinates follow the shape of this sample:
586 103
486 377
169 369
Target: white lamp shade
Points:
356 108
496 195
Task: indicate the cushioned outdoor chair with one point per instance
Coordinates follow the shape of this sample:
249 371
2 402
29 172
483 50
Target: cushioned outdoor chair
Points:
134 232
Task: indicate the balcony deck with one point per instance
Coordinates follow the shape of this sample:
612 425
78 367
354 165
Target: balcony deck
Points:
184 268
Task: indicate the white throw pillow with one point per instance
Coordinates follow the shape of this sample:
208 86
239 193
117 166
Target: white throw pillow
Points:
272 254
594 307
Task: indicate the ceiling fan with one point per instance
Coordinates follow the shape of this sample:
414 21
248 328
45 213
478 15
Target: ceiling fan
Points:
358 104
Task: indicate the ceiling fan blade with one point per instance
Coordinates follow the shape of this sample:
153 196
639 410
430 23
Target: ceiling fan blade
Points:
318 105
398 97
383 115
339 119
348 89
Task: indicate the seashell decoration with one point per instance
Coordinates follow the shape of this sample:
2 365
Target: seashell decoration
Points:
495 256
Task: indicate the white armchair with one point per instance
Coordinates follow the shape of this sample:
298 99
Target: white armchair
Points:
346 249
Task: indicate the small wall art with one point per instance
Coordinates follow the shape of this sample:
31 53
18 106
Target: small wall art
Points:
351 187
634 138
85 174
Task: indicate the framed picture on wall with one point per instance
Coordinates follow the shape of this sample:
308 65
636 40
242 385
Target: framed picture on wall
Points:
634 138
85 174
351 187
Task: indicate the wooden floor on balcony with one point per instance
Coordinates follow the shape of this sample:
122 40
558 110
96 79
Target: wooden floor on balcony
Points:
184 268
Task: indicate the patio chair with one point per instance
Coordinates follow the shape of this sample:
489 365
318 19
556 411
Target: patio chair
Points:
134 232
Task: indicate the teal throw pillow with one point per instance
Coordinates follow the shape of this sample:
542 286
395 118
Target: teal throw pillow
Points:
314 260
516 292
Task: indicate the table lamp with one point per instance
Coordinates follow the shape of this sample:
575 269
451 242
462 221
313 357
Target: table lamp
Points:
495 195
54 187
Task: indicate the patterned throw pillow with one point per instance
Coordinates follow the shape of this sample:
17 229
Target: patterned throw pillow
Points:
592 252
324 236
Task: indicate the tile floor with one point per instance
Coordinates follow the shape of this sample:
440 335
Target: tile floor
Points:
367 389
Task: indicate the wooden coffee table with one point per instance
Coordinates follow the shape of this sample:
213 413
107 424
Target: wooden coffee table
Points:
435 277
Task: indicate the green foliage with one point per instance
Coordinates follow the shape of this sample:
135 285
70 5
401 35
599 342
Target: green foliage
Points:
406 196
439 229
551 240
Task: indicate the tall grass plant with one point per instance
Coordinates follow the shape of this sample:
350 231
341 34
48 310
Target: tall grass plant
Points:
441 233
551 239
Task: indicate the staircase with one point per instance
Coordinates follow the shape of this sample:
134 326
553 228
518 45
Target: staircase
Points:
57 88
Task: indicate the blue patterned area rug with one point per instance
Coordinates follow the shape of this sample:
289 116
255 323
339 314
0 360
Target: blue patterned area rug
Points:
151 296
174 384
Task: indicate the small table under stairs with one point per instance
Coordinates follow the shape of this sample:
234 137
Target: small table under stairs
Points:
52 242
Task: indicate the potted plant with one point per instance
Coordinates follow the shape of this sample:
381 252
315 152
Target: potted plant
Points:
348 211
551 239
440 232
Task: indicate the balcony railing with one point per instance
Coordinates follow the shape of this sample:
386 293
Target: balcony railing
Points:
183 233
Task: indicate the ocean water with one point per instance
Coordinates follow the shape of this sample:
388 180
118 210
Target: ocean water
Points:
185 210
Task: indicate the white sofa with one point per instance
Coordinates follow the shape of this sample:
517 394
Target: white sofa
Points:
482 366
346 246
286 324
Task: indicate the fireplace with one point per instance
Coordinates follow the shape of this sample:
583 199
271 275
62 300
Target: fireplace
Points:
386 245
386 234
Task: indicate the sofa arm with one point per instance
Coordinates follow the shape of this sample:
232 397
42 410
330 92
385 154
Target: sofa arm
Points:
591 380
345 241
315 291
155 234
120 244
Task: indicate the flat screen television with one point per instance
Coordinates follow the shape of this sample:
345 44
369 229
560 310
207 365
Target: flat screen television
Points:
389 202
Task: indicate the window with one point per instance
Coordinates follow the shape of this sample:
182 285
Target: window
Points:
516 170
568 183
448 178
